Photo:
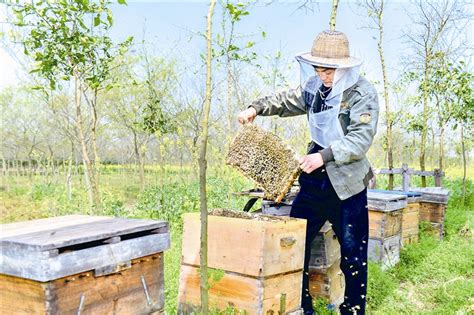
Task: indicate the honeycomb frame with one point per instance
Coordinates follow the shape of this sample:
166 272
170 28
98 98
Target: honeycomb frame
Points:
265 159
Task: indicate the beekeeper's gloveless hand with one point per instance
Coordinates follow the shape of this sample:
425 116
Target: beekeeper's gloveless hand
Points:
247 116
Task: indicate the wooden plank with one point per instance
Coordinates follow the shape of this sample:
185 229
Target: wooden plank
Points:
80 233
121 293
46 269
410 217
240 292
288 285
410 236
385 202
21 296
433 194
39 225
384 224
250 247
432 212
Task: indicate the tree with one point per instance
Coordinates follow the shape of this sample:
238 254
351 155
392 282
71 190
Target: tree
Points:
204 287
375 10
67 41
428 35
332 19
463 103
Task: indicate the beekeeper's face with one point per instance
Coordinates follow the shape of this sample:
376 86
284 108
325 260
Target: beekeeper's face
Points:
326 75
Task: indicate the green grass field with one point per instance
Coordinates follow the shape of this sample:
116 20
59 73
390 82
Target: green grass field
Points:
433 277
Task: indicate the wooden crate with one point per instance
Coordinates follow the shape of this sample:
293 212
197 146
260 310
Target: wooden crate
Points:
325 249
82 264
410 214
432 212
327 282
385 251
385 214
260 260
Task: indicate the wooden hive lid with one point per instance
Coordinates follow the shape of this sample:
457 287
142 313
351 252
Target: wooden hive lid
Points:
52 248
412 196
432 194
65 231
385 202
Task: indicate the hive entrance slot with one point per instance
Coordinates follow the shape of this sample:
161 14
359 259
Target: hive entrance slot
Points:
110 240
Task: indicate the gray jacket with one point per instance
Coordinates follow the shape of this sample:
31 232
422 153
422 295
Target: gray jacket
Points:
345 160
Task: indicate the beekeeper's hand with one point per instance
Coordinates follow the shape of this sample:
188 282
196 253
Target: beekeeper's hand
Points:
247 116
311 162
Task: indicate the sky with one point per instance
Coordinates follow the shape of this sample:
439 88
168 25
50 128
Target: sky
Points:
172 27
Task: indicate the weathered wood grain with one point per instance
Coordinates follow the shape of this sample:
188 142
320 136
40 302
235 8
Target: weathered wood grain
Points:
120 293
432 194
249 247
39 225
384 224
240 292
410 223
432 212
17 262
72 234
385 202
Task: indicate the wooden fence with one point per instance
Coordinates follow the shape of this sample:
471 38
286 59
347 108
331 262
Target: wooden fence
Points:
406 173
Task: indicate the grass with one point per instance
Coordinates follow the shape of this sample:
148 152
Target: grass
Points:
433 277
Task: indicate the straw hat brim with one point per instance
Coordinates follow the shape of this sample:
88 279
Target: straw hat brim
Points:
329 62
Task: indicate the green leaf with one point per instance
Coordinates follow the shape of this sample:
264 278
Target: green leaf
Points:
122 2
109 17
97 20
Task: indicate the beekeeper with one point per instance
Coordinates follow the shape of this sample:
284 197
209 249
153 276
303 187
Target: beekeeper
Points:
342 110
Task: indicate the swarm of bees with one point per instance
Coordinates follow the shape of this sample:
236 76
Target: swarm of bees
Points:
264 158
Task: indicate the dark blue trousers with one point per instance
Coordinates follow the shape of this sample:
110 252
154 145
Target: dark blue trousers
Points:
317 202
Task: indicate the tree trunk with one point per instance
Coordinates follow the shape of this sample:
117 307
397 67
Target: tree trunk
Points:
388 117
138 161
332 21
88 171
464 166
425 121
441 150
204 287
96 164
69 173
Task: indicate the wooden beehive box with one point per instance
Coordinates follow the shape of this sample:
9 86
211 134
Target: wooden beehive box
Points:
433 208
325 249
82 265
410 215
385 251
385 223
385 214
259 260
327 282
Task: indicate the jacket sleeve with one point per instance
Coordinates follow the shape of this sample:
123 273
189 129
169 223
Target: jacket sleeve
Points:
360 131
284 104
